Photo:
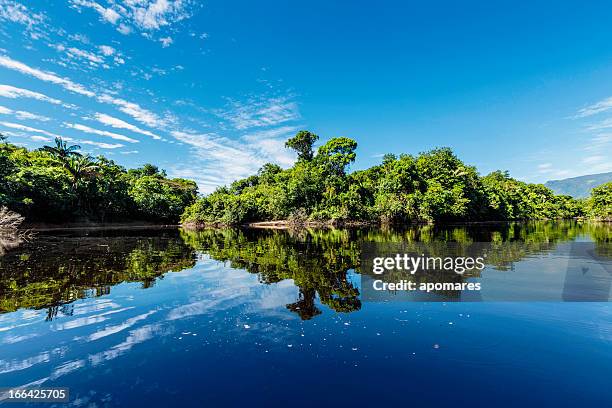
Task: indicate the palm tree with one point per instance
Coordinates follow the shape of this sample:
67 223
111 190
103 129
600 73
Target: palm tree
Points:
3 138
61 150
81 167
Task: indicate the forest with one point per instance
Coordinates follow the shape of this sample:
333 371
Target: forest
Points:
434 186
59 184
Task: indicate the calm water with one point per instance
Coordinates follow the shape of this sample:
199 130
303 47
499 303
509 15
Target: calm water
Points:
274 318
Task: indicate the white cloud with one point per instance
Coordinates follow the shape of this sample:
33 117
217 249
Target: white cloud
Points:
120 124
166 41
90 130
145 15
85 55
595 108
41 139
260 112
17 13
45 76
135 111
101 56
12 92
107 50
123 29
151 15
31 116
130 108
18 126
223 160
101 145
24 128
107 13
593 159
270 144
23 114
604 124
603 138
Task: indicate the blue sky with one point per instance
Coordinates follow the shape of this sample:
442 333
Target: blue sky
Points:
210 90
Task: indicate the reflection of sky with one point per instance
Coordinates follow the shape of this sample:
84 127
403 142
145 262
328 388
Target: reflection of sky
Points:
213 326
568 272
102 329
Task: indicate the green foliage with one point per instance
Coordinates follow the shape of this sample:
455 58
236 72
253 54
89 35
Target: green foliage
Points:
158 198
337 154
433 186
600 202
302 143
62 150
58 184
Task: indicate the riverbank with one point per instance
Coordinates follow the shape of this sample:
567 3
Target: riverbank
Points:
291 224
41 226
284 224
276 224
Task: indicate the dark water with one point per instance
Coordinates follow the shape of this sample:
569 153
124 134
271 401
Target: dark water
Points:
275 318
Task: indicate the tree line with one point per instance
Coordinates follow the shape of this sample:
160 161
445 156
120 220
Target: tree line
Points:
60 184
430 187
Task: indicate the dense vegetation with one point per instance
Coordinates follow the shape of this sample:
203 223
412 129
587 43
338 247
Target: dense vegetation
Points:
600 204
433 186
58 184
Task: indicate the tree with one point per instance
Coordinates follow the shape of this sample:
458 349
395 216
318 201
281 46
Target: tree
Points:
61 150
80 168
148 170
337 153
389 158
600 202
57 184
158 198
434 186
3 138
268 171
302 143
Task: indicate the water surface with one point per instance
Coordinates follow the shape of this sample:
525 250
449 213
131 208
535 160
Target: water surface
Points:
147 317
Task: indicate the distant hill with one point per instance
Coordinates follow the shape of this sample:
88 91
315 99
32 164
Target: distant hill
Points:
578 187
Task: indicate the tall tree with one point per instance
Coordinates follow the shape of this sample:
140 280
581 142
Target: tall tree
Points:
337 153
302 143
61 150
80 168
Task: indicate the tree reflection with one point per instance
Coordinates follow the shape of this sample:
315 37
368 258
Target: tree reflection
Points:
51 271
317 261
